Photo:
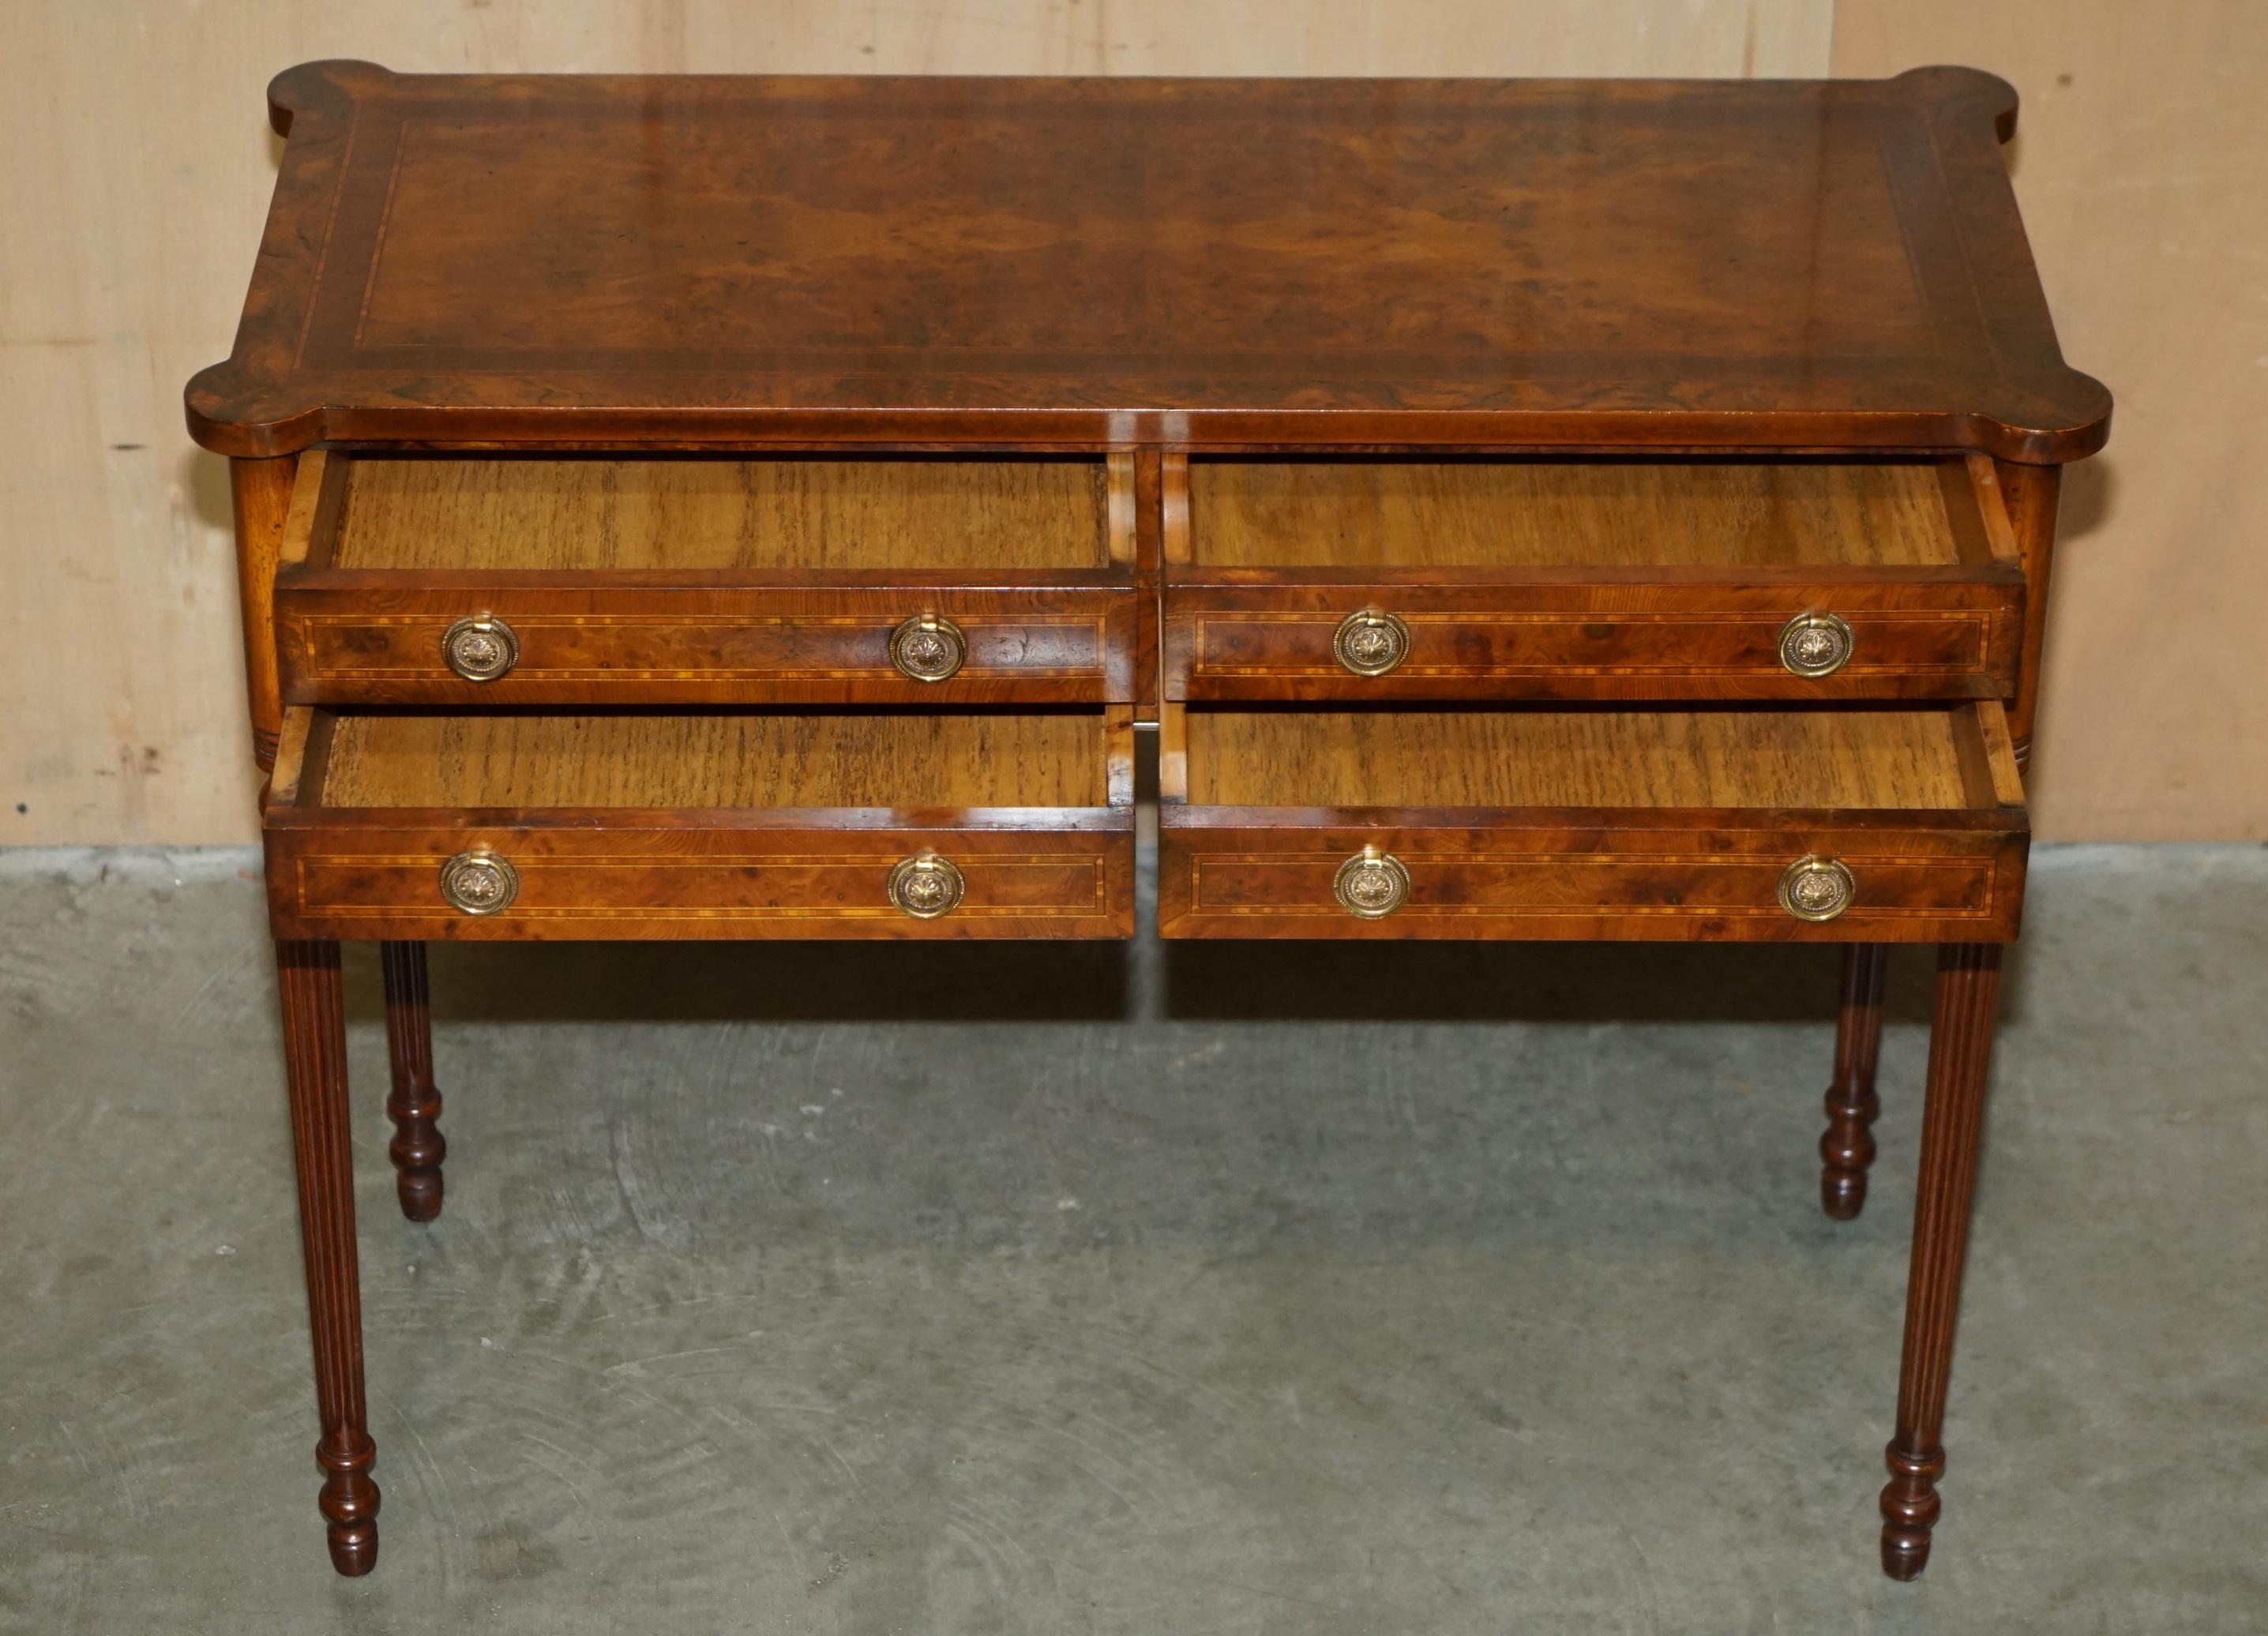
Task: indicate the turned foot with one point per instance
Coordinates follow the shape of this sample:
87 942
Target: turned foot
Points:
1909 1509
349 1503
412 1104
1953 1116
1847 1149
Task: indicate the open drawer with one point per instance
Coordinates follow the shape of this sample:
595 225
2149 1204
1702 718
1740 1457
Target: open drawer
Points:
1608 578
821 824
1861 824
814 579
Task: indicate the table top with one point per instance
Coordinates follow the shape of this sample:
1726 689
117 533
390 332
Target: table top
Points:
697 261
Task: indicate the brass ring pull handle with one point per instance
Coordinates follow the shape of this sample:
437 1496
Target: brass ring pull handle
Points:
479 882
1815 645
1372 884
1371 643
481 647
1816 888
926 886
928 647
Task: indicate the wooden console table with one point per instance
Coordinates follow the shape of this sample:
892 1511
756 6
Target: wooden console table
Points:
787 508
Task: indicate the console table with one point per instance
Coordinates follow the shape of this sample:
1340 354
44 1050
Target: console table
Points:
698 507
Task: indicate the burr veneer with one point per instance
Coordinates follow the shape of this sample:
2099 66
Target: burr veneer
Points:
787 507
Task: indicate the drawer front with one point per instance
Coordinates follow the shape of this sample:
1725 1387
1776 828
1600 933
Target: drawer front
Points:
1667 878
683 875
1931 636
641 645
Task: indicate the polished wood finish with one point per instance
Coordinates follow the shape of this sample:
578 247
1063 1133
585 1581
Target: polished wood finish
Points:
703 826
322 1123
2031 494
1953 1116
1591 825
413 1105
718 581
1591 579
259 496
1847 1147
703 386
482 259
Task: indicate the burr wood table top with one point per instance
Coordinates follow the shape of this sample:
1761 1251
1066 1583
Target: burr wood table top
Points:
694 260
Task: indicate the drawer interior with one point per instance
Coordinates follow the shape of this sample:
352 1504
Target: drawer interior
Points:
419 513
1950 759
708 760
1525 514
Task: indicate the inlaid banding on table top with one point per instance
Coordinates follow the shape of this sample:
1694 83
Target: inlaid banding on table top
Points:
1030 258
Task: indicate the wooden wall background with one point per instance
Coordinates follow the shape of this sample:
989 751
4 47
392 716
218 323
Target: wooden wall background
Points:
140 166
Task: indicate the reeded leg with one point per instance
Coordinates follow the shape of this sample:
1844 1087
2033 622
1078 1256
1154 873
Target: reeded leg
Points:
412 1104
1960 1048
1848 1146
315 1063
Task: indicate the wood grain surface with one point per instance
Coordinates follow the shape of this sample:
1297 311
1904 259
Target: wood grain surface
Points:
862 759
1587 876
719 581
1559 824
630 826
1595 513
1515 262
1415 758
1535 579
809 513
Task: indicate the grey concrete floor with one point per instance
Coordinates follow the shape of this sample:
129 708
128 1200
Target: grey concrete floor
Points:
1218 1289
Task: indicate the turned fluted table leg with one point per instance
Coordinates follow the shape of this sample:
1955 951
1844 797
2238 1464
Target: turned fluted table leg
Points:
315 1065
412 1104
1847 1148
1953 1110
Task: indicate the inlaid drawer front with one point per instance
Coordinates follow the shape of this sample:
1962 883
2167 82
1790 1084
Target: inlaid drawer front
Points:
498 644
626 827
1815 640
1862 826
1600 579
787 579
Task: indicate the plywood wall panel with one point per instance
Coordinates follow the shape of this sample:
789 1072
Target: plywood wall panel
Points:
2141 162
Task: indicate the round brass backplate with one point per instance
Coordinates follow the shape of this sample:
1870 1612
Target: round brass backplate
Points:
1371 885
1815 645
1370 643
479 884
928 647
926 886
1816 888
481 647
